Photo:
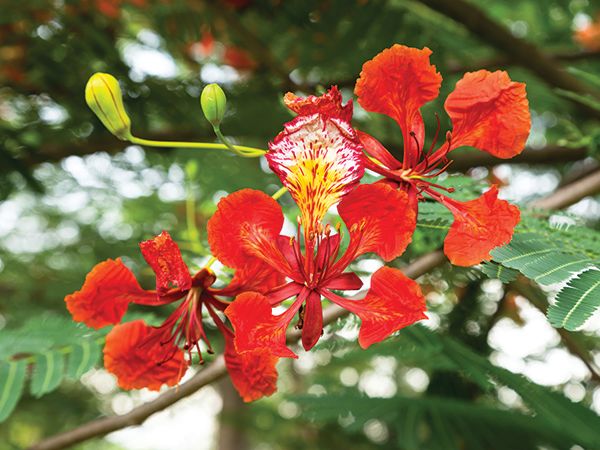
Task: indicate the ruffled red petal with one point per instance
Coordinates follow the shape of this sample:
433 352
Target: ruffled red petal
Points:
107 291
393 302
397 82
489 112
253 374
244 220
381 219
319 160
256 327
134 355
479 226
163 255
328 104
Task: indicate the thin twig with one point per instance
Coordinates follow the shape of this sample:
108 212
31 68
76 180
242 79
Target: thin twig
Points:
570 194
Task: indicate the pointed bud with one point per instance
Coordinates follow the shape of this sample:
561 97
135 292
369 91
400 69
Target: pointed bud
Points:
103 95
213 102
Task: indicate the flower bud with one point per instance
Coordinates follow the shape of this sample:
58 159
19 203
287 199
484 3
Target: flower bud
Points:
103 95
213 102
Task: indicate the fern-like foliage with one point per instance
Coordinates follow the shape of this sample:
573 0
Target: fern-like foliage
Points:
432 422
577 301
53 347
543 253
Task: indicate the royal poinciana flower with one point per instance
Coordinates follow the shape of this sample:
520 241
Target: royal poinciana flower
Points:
488 111
144 356
318 159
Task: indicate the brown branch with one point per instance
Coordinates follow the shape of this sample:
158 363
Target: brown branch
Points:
570 194
99 427
503 61
520 51
207 375
550 155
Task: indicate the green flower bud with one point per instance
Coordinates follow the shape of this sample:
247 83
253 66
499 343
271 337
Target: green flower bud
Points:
103 95
213 102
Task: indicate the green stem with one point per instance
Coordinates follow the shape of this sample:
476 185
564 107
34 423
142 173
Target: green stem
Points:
190 215
279 193
241 150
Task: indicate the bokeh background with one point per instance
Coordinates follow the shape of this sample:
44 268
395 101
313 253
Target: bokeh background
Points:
72 195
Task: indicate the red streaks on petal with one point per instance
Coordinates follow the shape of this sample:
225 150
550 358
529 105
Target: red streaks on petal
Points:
134 355
381 219
393 302
240 217
163 255
256 327
253 374
107 291
319 160
328 104
489 112
479 226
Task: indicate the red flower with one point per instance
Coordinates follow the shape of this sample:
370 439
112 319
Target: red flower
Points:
318 159
589 35
144 356
488 111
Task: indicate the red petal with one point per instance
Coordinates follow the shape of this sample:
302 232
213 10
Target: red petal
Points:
108 289
393 302
348 281
163 255
312 325
479 226
134 355
381 219
489 112
397 82
256 327
257 277
376 149
328 104
253 374
239 217
319 160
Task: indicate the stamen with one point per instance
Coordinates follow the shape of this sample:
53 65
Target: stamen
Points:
435 136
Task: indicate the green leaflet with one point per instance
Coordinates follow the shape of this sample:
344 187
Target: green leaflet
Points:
47 373
577 301
82 358
498 271
12 381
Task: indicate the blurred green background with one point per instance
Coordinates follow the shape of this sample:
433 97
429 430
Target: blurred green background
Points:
72 195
